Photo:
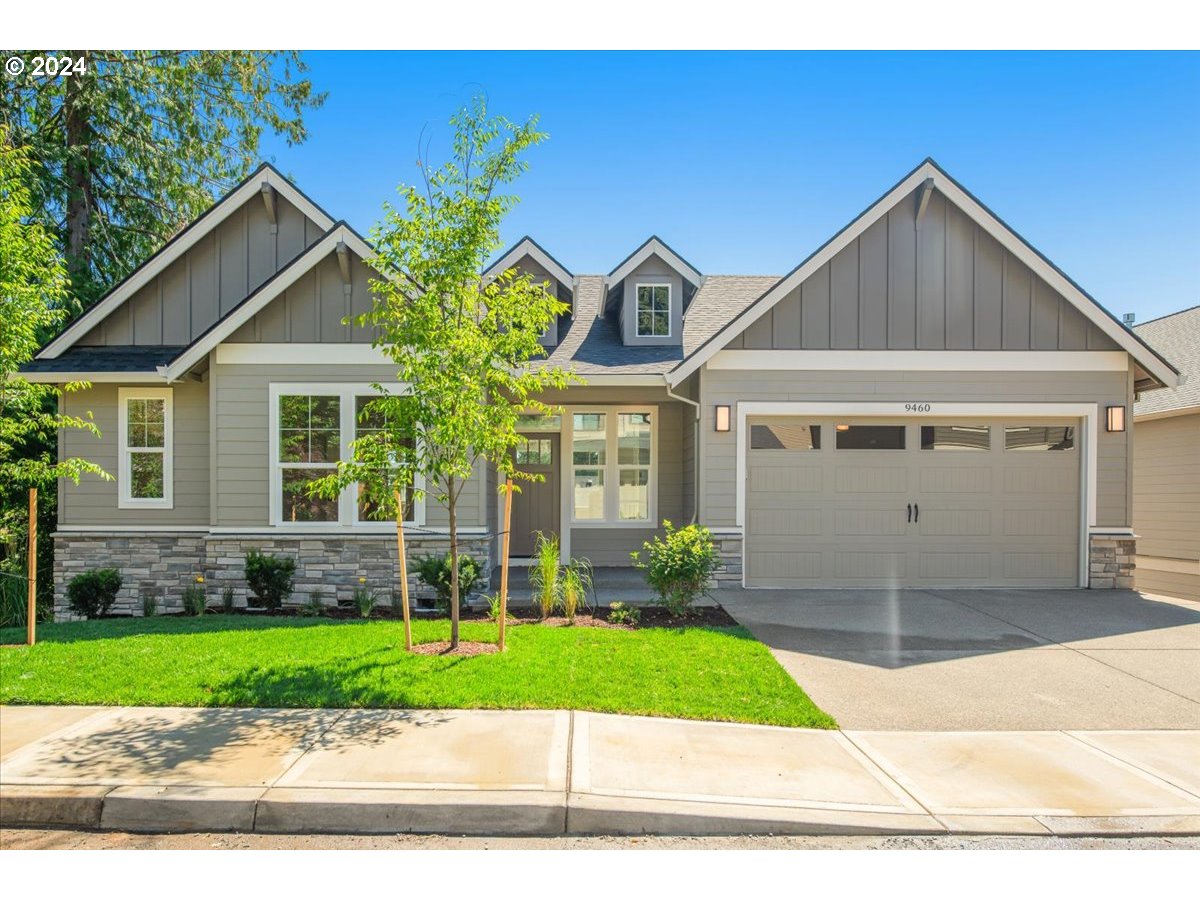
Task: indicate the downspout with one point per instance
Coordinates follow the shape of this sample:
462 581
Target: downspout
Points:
695 447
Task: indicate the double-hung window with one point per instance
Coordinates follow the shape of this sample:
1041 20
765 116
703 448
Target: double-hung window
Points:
653 310
145 448
612 459
312 429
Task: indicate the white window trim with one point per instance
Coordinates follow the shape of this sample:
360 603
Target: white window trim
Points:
347 520
124 472
637 286
611 468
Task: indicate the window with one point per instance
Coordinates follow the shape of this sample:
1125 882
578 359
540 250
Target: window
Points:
956 437
534 452
368 419
612 458
785 436
869 437
653 310
312 428
145 448
1039 437
535 422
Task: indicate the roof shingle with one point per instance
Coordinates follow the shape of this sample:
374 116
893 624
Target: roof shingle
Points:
1176 337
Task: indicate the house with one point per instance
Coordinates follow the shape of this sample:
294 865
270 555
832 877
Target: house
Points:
923 400
1166 465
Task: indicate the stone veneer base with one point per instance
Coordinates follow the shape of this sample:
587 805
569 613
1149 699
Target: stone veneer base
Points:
164 563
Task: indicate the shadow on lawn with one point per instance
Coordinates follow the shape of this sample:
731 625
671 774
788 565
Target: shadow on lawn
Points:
109 629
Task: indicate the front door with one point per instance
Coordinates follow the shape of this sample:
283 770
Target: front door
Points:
536 508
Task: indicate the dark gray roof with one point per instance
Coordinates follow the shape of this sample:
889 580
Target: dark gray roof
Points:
106 359
591 344
1177 338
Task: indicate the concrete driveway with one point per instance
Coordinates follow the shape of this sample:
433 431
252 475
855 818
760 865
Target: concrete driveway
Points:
985 659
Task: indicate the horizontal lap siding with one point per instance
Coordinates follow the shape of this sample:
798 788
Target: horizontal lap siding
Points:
94 501
242 457
1166 487
718 460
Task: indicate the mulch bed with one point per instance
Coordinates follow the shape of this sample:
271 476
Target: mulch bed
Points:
465 648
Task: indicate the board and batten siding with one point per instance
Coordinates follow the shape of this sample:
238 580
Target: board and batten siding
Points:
94 501
1166 505
942 284
210 279
242 446
718 451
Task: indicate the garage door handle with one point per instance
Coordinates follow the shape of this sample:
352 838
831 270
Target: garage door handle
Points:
917 512
910 512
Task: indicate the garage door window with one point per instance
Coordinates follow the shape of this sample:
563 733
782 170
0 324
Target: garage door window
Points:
1039 437
785 436
956 437
870 437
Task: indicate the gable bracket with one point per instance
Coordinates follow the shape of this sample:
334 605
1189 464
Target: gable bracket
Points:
923 196
343 258
268 195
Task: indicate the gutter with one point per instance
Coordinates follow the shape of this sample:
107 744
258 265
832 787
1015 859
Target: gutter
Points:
695 447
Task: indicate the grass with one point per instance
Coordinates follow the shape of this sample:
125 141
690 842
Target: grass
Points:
693 673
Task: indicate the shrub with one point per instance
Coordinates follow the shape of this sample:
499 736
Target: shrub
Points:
679 565
92 593
269 578
194 600
576 583
227 599
315 606
149 603
623 614
434 571
14 603
397 603
363 600
544 575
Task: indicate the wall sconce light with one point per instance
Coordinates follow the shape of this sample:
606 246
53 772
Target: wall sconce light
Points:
1116 418
842 427
723 416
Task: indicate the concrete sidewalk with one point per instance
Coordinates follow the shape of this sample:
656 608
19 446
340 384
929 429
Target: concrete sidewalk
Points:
550 773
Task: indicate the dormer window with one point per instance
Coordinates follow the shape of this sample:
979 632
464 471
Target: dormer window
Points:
653 310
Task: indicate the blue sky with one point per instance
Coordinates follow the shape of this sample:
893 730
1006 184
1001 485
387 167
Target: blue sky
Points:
746 162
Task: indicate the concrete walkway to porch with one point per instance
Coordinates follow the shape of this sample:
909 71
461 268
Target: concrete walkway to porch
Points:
560 772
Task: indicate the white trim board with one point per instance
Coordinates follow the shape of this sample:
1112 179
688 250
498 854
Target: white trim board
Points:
93 377
993 226
300 354
922 360
278 283
1088 412
216 214
527 246
654 247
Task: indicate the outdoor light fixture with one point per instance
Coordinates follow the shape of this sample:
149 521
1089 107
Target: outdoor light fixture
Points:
722 421
1116 418
842 427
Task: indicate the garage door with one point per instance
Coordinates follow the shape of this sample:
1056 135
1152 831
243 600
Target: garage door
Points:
876 503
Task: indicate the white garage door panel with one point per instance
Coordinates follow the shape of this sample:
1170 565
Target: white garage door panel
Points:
978 517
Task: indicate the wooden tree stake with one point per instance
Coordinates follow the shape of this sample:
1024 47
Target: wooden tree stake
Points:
403 572
31 615
504 560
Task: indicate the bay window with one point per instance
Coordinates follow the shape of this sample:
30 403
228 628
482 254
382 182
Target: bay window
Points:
611 466
145 448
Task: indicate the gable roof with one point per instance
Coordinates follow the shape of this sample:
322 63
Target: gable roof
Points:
931 175
527 246
655 246
1176 336
265 175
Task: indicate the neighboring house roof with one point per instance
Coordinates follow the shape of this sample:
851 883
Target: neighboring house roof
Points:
265 176
527 246
1177 337
928 176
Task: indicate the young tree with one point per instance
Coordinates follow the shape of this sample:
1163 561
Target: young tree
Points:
33 286
466 352
132 145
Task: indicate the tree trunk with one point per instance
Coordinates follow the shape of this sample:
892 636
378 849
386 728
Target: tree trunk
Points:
77 121
453 564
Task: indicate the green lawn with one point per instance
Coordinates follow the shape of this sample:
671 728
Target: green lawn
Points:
693 673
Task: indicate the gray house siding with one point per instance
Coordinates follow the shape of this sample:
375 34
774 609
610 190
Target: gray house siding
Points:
718 453
209 279
652 271
942 284
242 458
94 501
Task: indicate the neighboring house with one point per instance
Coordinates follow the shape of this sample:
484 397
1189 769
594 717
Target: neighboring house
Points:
925 400
1166 464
